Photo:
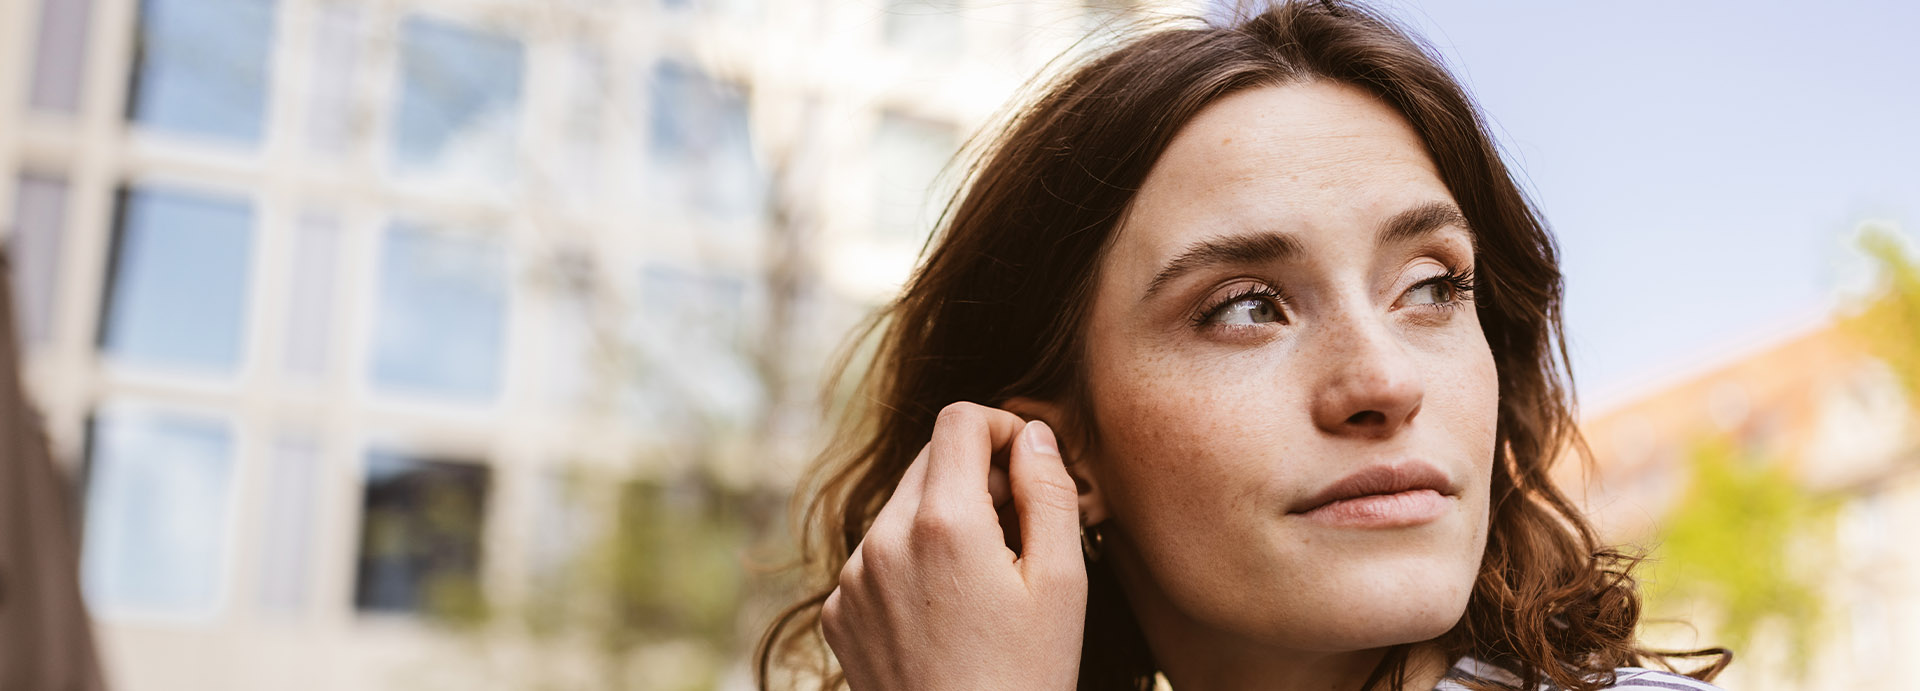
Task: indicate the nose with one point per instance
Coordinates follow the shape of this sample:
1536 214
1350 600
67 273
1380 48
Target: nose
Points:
1370 387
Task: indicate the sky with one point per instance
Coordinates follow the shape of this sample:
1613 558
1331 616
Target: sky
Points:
1702 164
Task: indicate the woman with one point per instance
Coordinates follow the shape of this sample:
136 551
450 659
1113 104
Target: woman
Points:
1298 334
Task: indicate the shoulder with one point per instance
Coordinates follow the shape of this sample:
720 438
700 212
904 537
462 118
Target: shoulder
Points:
1469 670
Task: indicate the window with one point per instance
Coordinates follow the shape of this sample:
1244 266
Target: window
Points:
177 293
909 155
158 492
309 310
200 67
441 320
930 28
701 147
60 55
420 535
286 525
336 55
459 103
33 251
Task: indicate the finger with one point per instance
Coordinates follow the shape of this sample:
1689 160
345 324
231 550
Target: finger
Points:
900 507
961 451
1048 504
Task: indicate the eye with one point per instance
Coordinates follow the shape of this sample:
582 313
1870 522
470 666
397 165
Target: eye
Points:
1446 290
1255 306
1247 311
1435 291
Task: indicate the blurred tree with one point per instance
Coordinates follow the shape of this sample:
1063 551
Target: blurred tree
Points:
1742 539
670 545
1749 537
1887 321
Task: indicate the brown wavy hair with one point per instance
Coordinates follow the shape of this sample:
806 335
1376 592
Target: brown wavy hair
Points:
990 314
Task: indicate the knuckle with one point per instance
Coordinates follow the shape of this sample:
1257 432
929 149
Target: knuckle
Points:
958 412
852 572
1064 577
878 556
936 522
833 615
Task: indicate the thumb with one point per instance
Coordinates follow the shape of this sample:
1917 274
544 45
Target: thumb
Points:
1047 502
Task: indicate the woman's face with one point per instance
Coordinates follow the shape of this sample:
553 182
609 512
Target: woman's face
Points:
1283 318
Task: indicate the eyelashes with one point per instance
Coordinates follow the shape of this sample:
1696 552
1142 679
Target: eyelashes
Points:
1459 284
1260 295
1257 303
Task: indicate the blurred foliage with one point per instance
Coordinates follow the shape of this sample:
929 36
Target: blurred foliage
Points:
1743 538
654 564
672 563
453 596
1749 538
1888 321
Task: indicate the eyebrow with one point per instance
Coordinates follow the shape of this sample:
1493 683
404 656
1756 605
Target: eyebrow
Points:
1263 248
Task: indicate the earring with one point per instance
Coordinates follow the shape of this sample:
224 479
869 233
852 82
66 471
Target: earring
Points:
1090 539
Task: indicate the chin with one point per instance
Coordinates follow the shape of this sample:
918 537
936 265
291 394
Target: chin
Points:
1383 623
1384 605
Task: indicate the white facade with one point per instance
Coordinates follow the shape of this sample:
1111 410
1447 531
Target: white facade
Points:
268 248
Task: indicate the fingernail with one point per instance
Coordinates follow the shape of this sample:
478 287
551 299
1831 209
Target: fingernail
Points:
1040 438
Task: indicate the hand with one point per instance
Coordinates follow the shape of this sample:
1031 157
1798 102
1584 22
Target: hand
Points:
934 598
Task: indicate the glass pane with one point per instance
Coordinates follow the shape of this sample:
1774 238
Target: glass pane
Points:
336 55
420 535
201 67
701 147
925 27
156 514
287 520
459 103
441 324
909 155
39 220
60 55
179 283
310 307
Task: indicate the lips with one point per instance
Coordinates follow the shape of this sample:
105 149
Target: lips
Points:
1416 478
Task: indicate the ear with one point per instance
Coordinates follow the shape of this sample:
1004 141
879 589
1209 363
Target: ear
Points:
1073 450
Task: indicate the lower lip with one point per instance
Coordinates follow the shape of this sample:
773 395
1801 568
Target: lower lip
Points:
1409 508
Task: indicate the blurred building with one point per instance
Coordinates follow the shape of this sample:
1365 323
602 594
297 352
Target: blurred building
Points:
321 298
1816 401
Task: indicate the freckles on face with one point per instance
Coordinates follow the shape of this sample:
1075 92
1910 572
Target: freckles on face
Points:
1289 302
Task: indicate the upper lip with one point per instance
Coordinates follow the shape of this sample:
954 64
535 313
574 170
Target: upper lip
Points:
1385 478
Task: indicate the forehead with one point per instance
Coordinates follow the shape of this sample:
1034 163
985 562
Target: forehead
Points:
1321 160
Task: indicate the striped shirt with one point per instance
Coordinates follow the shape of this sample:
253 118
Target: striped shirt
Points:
1625 679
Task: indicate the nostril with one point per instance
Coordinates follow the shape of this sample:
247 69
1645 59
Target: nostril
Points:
1367 418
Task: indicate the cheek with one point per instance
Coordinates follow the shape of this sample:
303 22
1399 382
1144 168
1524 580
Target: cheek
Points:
1193 439
1468 391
